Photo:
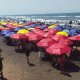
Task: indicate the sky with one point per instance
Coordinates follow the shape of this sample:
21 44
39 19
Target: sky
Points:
15 7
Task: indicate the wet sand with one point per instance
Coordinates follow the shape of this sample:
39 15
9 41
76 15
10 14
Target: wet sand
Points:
15 67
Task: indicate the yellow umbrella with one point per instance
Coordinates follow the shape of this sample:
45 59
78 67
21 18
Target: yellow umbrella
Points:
23 31
20 25
52 26
62 33
3 23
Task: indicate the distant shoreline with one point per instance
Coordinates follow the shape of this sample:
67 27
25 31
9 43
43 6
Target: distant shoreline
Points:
43 14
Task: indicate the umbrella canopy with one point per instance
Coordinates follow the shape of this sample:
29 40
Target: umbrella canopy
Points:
72 32
62 33
18 36
59 37
58 49
65 41
5 32
23 31
1 28
46 42
3 23
54 31
77 38
34 37
52 26
29 34
17 29
59 27
47 34
38 32
9 34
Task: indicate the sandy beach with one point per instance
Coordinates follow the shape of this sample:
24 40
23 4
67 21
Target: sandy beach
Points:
15 67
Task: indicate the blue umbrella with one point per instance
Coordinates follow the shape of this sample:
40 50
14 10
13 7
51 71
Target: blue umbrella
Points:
17 29
9 34
59 27
73 32
5 32
43 27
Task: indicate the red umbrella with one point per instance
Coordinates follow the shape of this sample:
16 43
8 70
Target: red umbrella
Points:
53 31
46 42
59 37
18 36
29 34
66 42
47 34
38 32
58 49
77 38
34 37
46 29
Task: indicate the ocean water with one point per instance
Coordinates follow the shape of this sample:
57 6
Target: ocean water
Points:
57 16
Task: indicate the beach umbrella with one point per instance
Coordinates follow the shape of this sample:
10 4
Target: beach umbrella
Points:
46 42
58 37
72 32
23 31
77 38
38 32
52 26
58 27
58 49
29 34
43 27
46 29
28 23
3 23
32 26
5 32
9 34
17 29
47 34
54 31
34 37
62 33
65 41
9 25
1 28
18 36
7 28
